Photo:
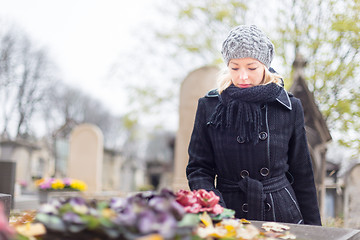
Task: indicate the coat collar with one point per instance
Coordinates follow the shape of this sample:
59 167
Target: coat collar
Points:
284 99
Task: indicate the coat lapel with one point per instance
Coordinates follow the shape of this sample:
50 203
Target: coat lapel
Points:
284 99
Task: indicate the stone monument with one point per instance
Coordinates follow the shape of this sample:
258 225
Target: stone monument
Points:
86 156
352 200
194 86
7 181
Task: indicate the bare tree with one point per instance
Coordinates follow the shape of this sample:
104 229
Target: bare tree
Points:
7 75
25 73
68 106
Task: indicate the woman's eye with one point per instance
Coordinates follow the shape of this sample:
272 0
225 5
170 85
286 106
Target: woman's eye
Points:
235 69
252 69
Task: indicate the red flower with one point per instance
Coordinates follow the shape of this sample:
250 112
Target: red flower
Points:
195 208
218 209
207 199
186 198
199 201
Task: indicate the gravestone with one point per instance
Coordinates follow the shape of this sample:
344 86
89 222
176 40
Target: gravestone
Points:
352 200
5 200
194 86
7 179
86 156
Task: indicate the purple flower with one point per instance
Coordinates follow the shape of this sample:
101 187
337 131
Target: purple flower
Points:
162 223
48 208
72 217
160 204
45 185
147 222
166 193
76 201
117 204
177 209
126 217
167 225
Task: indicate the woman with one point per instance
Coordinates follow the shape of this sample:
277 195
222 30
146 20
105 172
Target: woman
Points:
248 143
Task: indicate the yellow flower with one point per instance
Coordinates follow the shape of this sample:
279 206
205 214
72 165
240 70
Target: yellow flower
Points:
78 184
39 181
57 184
108 213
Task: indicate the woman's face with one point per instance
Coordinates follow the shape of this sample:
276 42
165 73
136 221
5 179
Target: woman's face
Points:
246 72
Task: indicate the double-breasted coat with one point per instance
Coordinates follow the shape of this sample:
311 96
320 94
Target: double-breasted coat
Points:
271 180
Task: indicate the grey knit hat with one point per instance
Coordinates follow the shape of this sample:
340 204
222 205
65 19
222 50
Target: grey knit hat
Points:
248 41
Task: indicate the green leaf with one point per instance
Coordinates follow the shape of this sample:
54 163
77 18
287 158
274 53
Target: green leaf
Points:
21 237
227 213
189 219
106 222
91 221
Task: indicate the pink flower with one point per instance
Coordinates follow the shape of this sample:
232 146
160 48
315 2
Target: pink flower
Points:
186 198
195 208
67 181
207 199
45 185
199 201
217 209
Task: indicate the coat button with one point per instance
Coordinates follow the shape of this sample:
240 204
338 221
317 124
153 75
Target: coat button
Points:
264 171
267 207
239 140
262 106
244 173
263 135
245 207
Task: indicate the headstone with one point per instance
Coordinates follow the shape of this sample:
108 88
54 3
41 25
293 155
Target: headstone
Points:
86 156
194 86
5 200
7 179
352 200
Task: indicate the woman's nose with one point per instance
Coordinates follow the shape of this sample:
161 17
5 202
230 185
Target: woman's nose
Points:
243 75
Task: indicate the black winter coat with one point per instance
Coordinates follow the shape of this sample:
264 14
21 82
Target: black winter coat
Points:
271 180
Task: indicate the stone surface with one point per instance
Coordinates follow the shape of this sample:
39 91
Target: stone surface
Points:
86 156
310 232
26 202
194 86
7 178
5 199
352 200
46 196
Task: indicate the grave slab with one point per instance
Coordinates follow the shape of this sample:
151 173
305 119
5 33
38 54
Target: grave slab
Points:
310 232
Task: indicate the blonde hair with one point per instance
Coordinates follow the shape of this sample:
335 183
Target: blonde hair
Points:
224 79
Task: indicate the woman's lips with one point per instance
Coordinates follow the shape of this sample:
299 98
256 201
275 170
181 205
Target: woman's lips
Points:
244 85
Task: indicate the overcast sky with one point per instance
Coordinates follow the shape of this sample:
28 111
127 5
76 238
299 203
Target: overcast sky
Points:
83 37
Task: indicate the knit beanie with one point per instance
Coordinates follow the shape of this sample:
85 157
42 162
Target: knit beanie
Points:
248 41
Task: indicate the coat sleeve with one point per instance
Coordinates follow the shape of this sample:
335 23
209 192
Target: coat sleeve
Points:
200 170
300 167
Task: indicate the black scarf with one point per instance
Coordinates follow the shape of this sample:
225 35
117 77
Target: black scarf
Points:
239 108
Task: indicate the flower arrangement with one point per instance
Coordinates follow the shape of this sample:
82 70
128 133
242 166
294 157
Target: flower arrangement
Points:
49 184
190 215
120 218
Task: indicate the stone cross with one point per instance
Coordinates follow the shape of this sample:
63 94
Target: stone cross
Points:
86 156
194 86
